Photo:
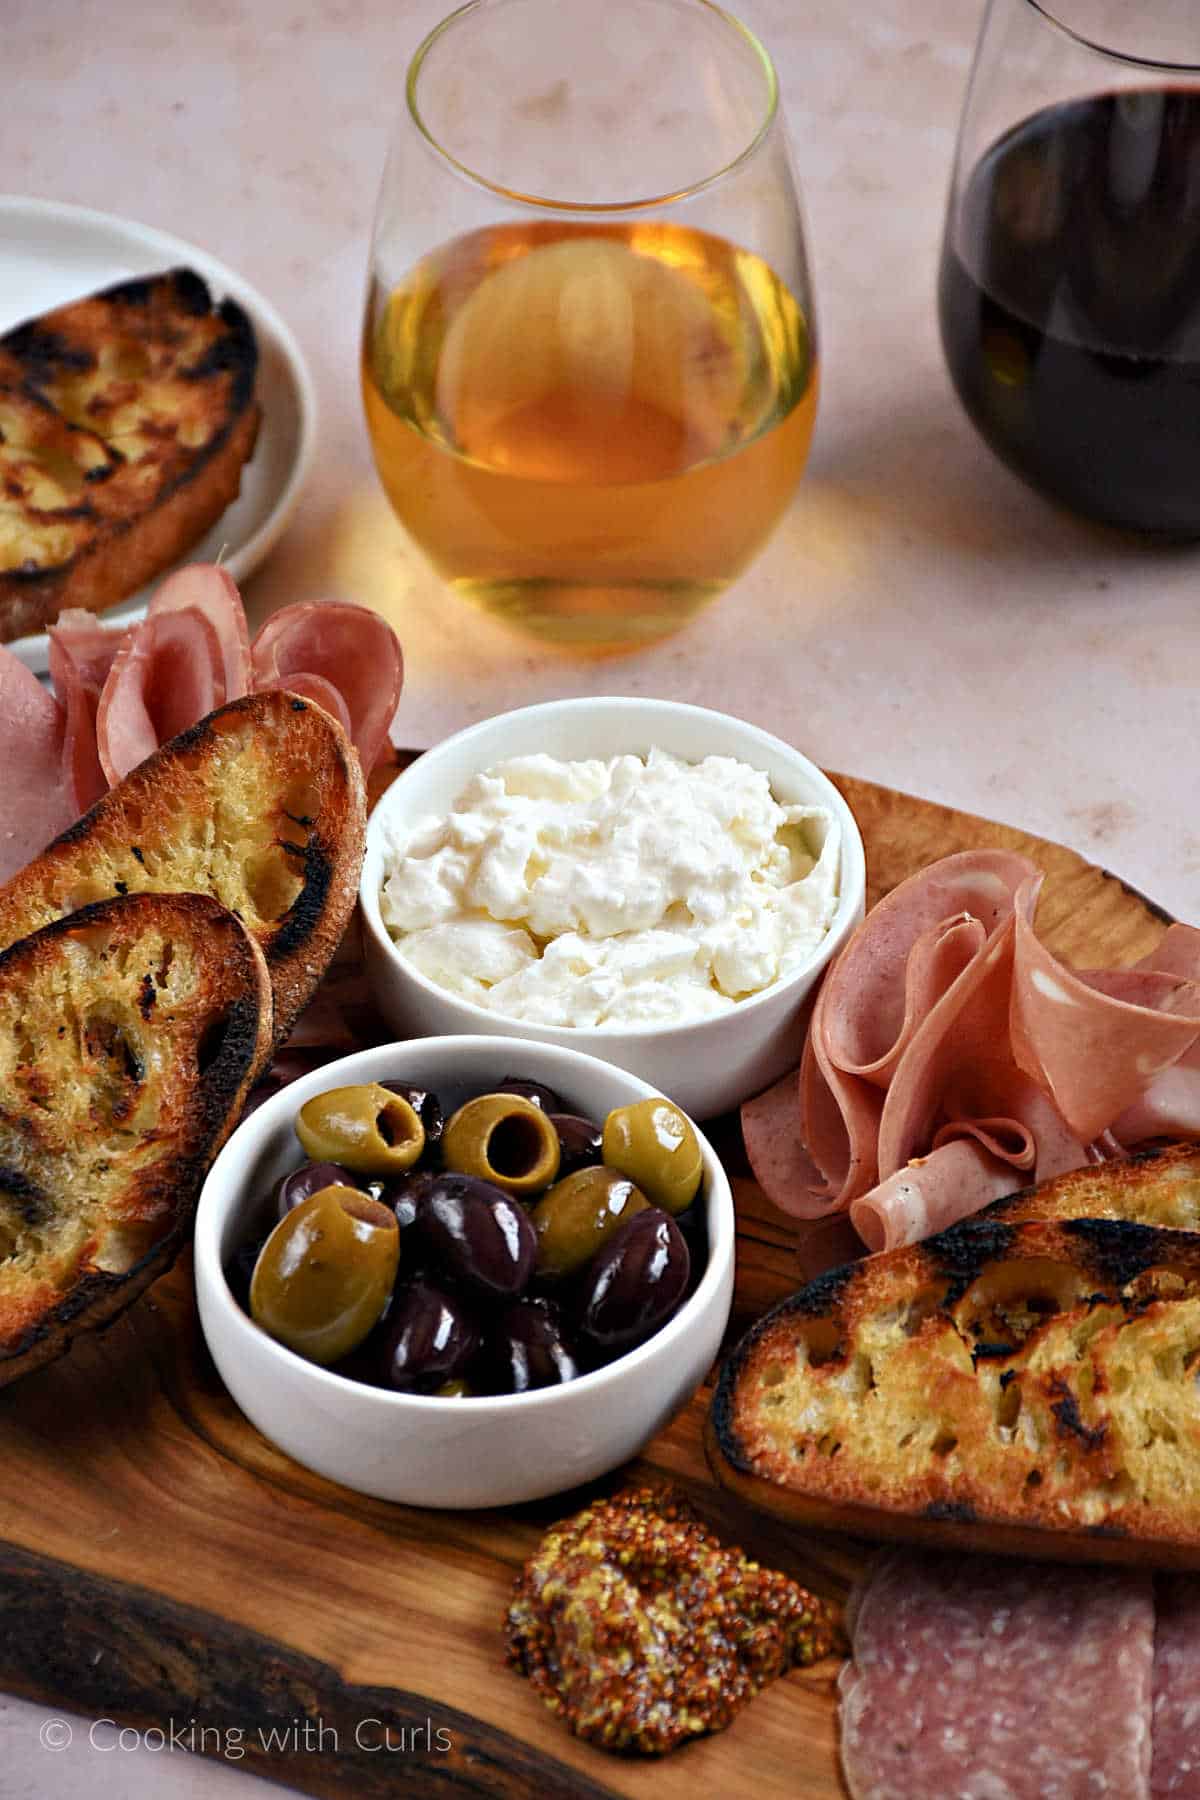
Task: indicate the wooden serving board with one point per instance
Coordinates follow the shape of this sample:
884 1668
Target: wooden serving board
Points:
161 1564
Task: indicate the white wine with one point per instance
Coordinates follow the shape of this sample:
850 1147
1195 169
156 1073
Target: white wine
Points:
589 429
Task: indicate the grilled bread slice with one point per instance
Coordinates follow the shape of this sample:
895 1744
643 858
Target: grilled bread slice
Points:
1155 1187
1027 1387
261 804
130 1034
153 391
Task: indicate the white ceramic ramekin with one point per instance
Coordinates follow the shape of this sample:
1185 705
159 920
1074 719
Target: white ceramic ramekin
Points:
707 1066
428 1451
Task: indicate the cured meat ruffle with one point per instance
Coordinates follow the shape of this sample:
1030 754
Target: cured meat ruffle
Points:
119 694
38 797
986 1679
950 1058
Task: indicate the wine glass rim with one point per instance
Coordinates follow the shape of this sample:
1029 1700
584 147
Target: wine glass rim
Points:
545 202
1154 64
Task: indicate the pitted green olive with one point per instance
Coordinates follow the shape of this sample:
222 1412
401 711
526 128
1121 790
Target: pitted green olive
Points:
654 1144
506 1140
367 1129
579 1215
324 1275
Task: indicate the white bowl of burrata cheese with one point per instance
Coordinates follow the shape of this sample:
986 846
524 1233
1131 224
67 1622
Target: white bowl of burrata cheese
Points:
650 882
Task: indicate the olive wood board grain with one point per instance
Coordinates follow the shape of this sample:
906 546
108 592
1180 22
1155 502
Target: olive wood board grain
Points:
160 1561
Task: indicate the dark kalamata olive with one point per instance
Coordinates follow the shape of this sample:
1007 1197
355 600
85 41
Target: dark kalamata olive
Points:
693 1223
526 1349
478 1234
534 1091
405 1195
634 1284
425 1104
292 1190
580 1141
430 1338
239 1270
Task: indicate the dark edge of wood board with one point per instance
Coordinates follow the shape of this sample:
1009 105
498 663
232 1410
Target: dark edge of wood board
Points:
127 1653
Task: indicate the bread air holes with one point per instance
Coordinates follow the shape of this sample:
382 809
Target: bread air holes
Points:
818 1343
1010 1300
274 880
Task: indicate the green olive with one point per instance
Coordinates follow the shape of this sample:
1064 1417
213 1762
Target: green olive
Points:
368 1129
654 1144
454 1390
324 1275
505 1139
579 1215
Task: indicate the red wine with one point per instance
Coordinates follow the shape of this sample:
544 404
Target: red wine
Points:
1070 305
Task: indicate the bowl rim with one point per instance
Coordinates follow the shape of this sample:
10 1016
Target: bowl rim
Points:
851 895
213 1209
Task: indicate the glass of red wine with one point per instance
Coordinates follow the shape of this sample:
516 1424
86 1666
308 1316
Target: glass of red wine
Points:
1069 293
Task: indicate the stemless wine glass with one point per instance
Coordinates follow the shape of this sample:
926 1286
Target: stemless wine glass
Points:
589 365
1070 277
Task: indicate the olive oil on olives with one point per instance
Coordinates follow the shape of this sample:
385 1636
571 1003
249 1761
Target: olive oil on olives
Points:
579 1215
510 1248
479 1235
307 1180
431 1338
635 1283
504 1139
527 1349
367 1129
325 1273
653 1143
578 1142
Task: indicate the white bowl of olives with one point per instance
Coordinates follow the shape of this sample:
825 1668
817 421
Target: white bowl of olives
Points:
464 1271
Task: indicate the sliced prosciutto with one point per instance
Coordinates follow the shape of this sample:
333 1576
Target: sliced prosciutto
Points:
38 796
189 655
344 657
82 652
977 1678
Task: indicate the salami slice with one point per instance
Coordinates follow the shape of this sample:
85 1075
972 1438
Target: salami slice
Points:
986 1679
1175 1770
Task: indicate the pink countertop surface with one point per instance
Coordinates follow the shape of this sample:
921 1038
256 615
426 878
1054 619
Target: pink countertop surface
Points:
920 619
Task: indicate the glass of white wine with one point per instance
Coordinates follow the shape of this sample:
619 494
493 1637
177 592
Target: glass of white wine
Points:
589 356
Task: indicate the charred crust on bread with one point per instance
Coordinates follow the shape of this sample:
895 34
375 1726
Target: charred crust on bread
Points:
964 1250
951 1512
1119 1250
108 1222
145 392
287 763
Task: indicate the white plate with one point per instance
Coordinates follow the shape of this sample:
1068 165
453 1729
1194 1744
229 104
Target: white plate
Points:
51 253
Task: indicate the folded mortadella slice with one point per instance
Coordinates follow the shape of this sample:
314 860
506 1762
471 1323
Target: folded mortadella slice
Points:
1094 1040
82 651
349 647
37 798
959 1177
189 655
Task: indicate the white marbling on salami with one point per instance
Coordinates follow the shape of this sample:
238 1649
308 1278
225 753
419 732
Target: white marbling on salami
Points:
37 800
1175 1768
947 1044
979 1678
